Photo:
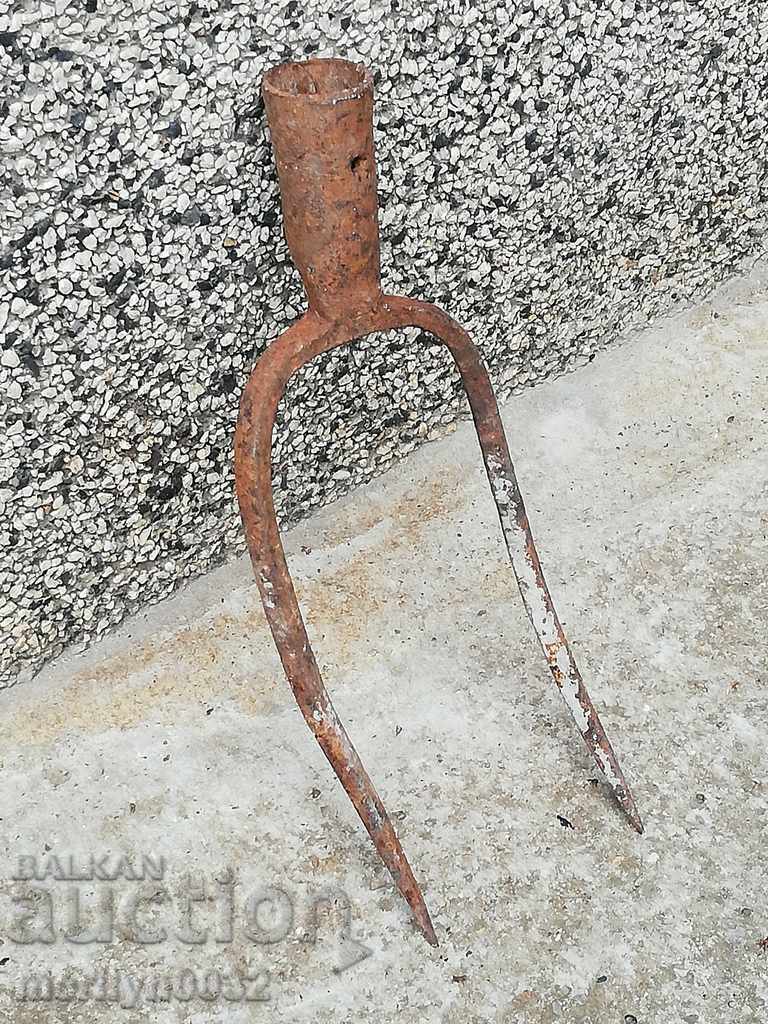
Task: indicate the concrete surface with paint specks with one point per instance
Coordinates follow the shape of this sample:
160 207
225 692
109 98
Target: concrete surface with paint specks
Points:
645 476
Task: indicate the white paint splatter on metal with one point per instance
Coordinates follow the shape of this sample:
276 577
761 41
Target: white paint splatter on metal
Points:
531 589
268 590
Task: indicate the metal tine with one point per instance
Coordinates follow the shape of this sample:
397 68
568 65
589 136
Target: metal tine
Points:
520 545
253 477
544 619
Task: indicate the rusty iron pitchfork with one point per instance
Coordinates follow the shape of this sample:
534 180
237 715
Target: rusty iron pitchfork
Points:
320 114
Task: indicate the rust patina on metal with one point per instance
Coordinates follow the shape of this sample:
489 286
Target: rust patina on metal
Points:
320 114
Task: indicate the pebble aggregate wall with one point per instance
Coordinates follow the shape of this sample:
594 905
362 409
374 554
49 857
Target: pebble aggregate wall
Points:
551 171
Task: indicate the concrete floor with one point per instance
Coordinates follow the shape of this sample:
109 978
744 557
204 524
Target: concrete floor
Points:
645 474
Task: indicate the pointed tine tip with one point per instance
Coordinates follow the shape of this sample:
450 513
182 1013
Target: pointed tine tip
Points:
617 783
391 852
611 771
633 814
627 804
415 901
409 888
425 924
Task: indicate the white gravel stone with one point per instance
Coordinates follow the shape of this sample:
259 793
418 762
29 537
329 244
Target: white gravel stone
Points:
9 358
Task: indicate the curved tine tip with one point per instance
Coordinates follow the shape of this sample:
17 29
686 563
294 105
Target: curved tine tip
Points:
391 853
423 920
346 763
630 809
614 776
